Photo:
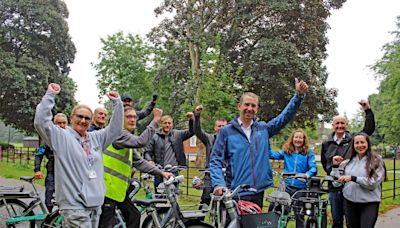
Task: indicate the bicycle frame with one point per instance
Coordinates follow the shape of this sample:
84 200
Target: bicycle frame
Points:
32 205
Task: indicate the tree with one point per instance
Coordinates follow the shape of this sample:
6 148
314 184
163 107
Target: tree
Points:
269 42
125 65
387 102
35 49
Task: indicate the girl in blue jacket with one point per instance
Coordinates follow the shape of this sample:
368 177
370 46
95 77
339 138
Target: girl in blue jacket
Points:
298 158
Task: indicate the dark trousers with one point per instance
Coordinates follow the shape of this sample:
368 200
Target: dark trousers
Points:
336 200
130 213
49 183
208 189
361 215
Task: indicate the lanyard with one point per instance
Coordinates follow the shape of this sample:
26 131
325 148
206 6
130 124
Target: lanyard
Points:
86 145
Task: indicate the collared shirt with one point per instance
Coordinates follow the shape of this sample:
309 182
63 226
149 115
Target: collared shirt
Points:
337 140
246 130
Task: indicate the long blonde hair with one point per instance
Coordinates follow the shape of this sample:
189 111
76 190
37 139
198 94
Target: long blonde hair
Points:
289 147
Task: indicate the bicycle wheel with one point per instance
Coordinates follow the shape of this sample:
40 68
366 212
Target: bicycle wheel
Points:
52 220
15 207
311 223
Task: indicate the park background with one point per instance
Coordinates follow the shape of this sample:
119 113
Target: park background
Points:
203 52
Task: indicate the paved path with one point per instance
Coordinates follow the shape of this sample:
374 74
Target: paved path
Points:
390 219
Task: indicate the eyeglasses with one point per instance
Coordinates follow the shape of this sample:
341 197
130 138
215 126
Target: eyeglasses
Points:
83 117
131 117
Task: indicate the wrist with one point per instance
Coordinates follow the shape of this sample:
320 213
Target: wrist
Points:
353 178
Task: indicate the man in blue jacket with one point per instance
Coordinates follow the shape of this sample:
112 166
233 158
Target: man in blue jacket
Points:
244 145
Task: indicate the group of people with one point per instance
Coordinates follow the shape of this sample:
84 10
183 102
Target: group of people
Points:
93 160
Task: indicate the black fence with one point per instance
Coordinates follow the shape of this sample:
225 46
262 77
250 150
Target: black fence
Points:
26 156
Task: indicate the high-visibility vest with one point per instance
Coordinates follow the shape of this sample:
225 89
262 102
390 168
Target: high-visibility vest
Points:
117 172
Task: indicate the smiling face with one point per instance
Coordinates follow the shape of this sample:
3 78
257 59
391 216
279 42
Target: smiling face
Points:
219 124
339 125
130 120
298 140
100 116
248 108
60 121
360 145
166 124
80 120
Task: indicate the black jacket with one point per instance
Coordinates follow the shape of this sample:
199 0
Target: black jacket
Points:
154 151
330 148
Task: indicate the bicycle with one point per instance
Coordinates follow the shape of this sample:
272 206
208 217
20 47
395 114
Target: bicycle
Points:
310 202
173 217
17 211
281 200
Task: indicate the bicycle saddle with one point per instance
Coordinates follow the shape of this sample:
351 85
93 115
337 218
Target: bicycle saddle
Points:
279 197
27 178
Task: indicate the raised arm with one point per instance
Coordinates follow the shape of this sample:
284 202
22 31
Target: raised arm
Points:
279 122
203 136
149 109
43 116
114 128
128 140
369 124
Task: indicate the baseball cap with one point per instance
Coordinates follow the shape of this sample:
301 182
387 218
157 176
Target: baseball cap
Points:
126 97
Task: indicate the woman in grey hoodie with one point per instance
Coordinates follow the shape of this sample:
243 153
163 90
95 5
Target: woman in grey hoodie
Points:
362 175
79 170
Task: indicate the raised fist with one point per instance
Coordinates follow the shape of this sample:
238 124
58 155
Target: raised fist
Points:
189 115
113 95
155 96
199 109
157 113
54 88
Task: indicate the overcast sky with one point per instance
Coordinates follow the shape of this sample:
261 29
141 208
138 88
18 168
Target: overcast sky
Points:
358 31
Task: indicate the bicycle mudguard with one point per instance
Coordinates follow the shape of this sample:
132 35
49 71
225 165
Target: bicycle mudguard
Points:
16 195
265 220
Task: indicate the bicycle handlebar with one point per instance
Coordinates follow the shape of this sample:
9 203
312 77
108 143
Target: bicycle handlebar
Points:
173 180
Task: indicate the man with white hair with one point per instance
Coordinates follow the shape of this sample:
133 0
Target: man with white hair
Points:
338 145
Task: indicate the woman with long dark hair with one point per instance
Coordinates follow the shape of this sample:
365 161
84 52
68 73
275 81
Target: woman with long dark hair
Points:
362 174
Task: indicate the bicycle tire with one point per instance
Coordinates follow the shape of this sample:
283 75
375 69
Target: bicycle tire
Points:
311 223
52 220
17 207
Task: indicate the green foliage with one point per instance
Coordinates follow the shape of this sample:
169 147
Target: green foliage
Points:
387 102
35 49
125 65
268 43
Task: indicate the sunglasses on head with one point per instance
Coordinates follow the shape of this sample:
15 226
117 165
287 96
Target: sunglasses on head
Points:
83 117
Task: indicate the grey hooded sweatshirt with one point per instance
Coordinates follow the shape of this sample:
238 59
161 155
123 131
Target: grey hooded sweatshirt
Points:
79 177
362 189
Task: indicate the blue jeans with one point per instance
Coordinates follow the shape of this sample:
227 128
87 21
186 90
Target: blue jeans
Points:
336 200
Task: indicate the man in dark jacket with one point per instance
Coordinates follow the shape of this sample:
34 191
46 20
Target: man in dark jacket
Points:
208 141
60 120
166 146
338 144
100 117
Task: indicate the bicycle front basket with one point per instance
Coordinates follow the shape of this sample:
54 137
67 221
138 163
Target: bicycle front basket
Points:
265 220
